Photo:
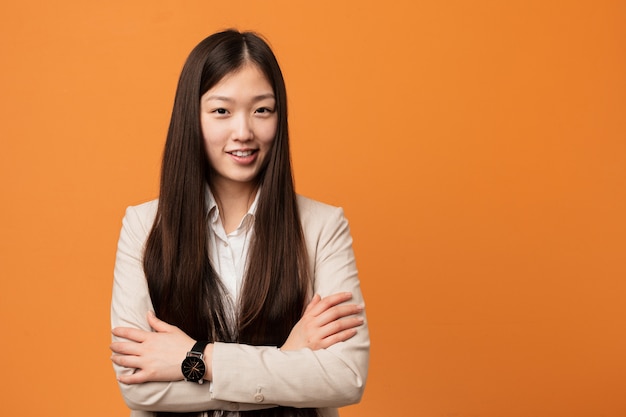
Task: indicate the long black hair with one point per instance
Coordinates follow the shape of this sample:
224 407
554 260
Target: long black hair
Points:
185 290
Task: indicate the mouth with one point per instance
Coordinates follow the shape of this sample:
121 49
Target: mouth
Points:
243 153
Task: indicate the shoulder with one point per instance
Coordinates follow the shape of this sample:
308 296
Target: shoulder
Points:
139 219
329 244
313 211
320 220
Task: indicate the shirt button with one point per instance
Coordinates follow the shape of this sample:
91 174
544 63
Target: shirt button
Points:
258 398
225 244
233 406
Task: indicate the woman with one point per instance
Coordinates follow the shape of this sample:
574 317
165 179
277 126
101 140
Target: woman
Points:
255 288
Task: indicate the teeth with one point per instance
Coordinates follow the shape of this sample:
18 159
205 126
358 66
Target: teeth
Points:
242 153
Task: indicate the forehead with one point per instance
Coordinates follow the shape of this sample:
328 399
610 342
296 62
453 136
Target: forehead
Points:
245 78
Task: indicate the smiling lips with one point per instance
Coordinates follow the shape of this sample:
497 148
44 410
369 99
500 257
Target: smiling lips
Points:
244 156
243 153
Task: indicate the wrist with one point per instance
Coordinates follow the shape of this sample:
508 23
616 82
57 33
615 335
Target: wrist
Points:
194 366
208 360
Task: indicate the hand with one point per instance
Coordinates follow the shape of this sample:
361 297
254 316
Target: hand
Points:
156 356
324 323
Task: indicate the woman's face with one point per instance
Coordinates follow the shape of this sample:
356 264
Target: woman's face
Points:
239 120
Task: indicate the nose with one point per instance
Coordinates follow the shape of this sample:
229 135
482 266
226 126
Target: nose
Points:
242 128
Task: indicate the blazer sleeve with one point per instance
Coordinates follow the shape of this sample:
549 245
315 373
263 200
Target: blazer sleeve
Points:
252 377
129 307
332 377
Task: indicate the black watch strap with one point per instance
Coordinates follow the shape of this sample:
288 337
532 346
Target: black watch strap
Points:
199 347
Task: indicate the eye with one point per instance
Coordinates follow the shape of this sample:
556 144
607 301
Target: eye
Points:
264 110
220 111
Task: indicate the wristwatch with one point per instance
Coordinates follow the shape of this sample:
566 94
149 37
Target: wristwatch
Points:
193 365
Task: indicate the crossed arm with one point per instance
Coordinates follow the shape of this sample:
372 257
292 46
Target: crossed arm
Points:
157 355
322 364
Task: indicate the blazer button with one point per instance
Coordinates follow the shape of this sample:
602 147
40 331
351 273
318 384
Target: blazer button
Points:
258 398
233 406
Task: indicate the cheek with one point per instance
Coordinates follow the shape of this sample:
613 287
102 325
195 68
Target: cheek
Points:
267 134
212 148
211 135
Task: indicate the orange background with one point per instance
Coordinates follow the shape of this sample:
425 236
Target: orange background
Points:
478 147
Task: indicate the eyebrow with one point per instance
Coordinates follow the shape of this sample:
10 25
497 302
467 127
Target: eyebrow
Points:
229 99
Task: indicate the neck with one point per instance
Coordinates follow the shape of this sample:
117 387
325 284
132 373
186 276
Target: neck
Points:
233 202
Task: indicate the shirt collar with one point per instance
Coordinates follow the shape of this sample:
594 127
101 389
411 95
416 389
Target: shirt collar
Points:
213 210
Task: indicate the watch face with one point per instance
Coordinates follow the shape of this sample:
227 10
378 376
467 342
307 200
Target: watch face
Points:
193 369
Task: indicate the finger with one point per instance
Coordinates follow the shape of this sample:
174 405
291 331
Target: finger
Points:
129 333
125 348
157 324
138 377
330 301
337 337
339 326
314 301
338 312
127 361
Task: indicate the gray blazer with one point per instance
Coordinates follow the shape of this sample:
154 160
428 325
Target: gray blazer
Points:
251 377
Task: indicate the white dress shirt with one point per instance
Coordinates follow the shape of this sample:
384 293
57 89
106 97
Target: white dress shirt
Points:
228 252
